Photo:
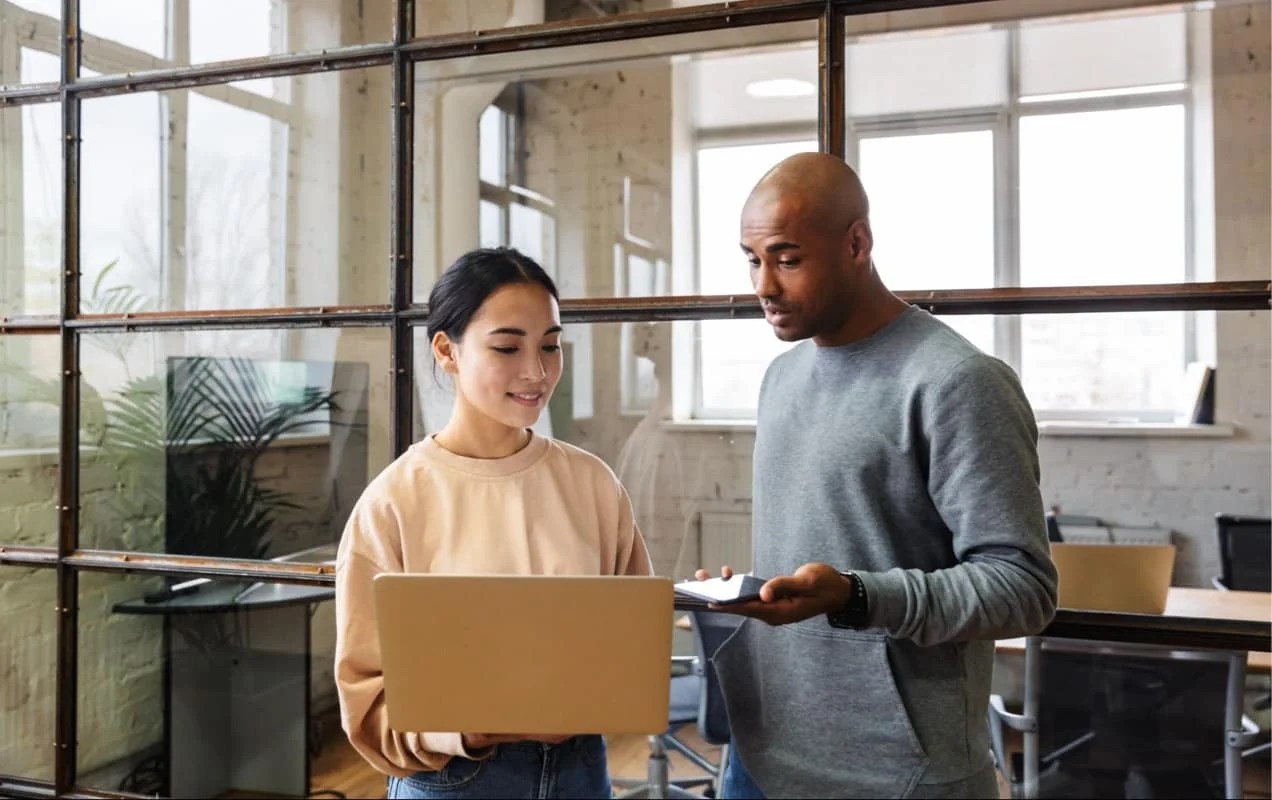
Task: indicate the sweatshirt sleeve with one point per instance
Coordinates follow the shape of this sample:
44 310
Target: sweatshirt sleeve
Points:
632 555
983 478
364 553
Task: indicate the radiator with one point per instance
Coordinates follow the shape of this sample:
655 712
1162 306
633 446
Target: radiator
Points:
1100 534
724 537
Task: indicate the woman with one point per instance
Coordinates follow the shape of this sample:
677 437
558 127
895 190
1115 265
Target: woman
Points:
483 495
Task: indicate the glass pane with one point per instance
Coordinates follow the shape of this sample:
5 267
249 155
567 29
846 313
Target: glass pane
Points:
726 175
28 691
30 399
735 93
1103 54
30 49
131 35
31 225
734 356
234 674
943 185
918 72
434 17
246 444
1121 364
1111 183
679 480
270 203
493 138
596 148
533 232
492 227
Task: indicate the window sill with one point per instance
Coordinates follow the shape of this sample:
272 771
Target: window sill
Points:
1142 430
709 425
1056 428
36 457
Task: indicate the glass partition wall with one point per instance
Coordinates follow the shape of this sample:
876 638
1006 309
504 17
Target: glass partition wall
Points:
236 211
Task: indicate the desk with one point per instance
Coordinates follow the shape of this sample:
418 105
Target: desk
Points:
236 683
1225 625
1201 604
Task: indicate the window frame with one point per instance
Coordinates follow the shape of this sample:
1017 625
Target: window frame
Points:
1003 122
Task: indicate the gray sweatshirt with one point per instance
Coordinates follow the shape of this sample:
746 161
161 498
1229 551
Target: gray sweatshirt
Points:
909 457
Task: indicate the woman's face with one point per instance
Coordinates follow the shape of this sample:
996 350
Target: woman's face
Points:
509 360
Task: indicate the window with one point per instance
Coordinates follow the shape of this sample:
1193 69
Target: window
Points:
733 354
510 214
1066 165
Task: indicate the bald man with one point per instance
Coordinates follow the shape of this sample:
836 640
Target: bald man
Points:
896 508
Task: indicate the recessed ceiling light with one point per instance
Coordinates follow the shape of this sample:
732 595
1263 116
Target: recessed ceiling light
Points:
780 87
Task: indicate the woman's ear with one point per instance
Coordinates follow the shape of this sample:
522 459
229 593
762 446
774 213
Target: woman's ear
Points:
445 352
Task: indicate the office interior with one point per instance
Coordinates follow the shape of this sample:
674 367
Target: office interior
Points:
256 196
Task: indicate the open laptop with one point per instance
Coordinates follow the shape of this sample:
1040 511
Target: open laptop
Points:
1114 577
525 654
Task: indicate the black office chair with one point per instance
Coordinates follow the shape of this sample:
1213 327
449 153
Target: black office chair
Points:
1245 565
709 632
1245 553
1125 726
695 697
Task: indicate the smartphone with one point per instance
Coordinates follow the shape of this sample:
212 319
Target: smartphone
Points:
738 589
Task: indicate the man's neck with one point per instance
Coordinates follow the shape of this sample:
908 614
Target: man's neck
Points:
869 311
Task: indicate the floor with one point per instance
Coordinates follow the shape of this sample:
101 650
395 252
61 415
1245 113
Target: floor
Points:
339 772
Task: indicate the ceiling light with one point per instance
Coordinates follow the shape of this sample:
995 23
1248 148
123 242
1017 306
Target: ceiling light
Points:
780 87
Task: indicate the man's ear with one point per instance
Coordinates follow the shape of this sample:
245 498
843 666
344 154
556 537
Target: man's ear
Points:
445 352
860 240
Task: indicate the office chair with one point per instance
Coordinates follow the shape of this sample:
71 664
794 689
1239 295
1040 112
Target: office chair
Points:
695 697
1124 725
1245 565
1245 553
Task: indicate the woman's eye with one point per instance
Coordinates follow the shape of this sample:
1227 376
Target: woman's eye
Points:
551 348
505 350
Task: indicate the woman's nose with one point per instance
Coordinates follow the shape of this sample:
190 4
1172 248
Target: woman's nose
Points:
533 368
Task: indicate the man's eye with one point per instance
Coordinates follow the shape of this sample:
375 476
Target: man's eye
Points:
504 350
754 262
789 264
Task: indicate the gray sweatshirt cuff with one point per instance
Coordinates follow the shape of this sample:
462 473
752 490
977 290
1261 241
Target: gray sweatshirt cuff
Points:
885 597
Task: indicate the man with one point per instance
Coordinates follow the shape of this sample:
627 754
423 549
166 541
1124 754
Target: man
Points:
896 498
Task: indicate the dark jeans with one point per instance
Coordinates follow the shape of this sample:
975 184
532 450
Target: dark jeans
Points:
738 784
576 768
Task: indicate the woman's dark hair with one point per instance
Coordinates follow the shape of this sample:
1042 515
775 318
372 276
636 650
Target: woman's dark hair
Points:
474 276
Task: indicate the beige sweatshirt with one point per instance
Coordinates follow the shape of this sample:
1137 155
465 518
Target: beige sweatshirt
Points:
550 509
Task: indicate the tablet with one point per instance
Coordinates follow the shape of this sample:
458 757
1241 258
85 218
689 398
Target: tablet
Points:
738 589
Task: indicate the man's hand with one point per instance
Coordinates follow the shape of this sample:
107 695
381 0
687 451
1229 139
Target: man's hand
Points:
814 589
478 741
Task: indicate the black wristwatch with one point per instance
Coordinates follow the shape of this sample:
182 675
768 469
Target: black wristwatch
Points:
856 612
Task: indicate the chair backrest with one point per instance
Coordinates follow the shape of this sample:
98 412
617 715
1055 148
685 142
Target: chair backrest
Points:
1106 717
710 629
1245 552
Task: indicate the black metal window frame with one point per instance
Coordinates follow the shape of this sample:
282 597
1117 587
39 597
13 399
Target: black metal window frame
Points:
400 314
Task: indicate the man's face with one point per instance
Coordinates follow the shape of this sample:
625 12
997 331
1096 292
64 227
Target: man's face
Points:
799 268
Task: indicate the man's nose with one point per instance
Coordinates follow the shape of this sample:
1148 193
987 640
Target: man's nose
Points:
765 283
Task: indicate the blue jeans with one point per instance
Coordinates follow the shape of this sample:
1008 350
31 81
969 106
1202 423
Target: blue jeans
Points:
576 768
738 783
